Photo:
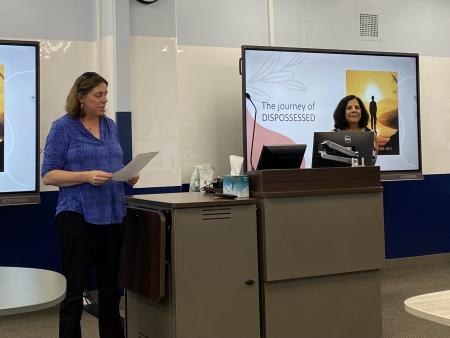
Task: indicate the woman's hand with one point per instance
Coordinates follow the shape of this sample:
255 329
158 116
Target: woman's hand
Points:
98 177
133 180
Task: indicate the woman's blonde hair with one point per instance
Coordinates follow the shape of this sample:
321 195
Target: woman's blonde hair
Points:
81 87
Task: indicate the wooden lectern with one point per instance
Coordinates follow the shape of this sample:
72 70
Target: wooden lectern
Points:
321 244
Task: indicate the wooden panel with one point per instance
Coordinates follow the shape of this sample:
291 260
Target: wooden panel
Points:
181 200
314 181
143 255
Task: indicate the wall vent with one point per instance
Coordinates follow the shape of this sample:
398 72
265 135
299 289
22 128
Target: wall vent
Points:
369 25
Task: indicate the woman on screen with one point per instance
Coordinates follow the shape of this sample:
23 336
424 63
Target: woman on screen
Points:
82 151
352 115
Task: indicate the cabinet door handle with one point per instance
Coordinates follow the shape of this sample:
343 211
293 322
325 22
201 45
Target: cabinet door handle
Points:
249 282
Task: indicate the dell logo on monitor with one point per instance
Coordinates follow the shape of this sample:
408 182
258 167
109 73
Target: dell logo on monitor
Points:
347 139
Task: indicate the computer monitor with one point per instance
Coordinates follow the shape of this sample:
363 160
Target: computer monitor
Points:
331 149
289 156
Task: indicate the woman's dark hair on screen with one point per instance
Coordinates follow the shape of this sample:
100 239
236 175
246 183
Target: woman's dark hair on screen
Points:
340 122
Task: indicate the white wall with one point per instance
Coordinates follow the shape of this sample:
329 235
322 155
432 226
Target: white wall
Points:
58 73
211 89
210 107
156 113
186 91
48 19
208 36
67 32
435 114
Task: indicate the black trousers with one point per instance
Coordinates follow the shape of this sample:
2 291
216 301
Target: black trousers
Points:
85 246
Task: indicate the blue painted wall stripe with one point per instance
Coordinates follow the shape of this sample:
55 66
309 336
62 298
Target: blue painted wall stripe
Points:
415 213
124 126
416 217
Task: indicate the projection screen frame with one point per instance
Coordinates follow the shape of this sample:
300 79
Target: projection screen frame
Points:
31 196
386 175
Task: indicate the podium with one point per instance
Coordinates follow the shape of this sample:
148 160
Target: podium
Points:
321 244
300 258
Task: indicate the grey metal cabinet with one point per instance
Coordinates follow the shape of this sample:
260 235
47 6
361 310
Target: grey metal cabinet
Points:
212 271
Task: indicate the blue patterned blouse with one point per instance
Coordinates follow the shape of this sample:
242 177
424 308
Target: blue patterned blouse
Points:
70 146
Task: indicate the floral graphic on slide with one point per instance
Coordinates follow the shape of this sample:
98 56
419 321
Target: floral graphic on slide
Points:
276 70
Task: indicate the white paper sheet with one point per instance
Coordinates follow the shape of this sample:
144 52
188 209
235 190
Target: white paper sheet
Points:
134 167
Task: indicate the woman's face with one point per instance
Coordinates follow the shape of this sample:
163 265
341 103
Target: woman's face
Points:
353 112
94 103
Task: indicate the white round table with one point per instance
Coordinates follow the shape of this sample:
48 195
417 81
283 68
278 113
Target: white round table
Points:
27 289
433 306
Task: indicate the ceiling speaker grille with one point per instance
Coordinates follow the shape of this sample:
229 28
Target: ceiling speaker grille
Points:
368 25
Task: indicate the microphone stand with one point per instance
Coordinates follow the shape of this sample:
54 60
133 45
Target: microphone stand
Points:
247 95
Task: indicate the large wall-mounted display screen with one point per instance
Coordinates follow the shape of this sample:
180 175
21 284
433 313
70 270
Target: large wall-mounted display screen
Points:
19 122
295 92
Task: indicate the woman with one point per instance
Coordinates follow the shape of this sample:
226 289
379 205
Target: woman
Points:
81 153
352 115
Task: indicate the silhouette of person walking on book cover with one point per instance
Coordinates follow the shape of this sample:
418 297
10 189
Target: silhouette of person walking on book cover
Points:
373 114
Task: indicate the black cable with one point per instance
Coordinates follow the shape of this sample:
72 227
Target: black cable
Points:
247 95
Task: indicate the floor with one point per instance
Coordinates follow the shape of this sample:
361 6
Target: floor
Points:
397 284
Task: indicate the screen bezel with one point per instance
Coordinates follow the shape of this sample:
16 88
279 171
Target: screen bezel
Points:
28 196
409 174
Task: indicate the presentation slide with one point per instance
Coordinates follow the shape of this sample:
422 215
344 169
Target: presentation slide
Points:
18 118
296 93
